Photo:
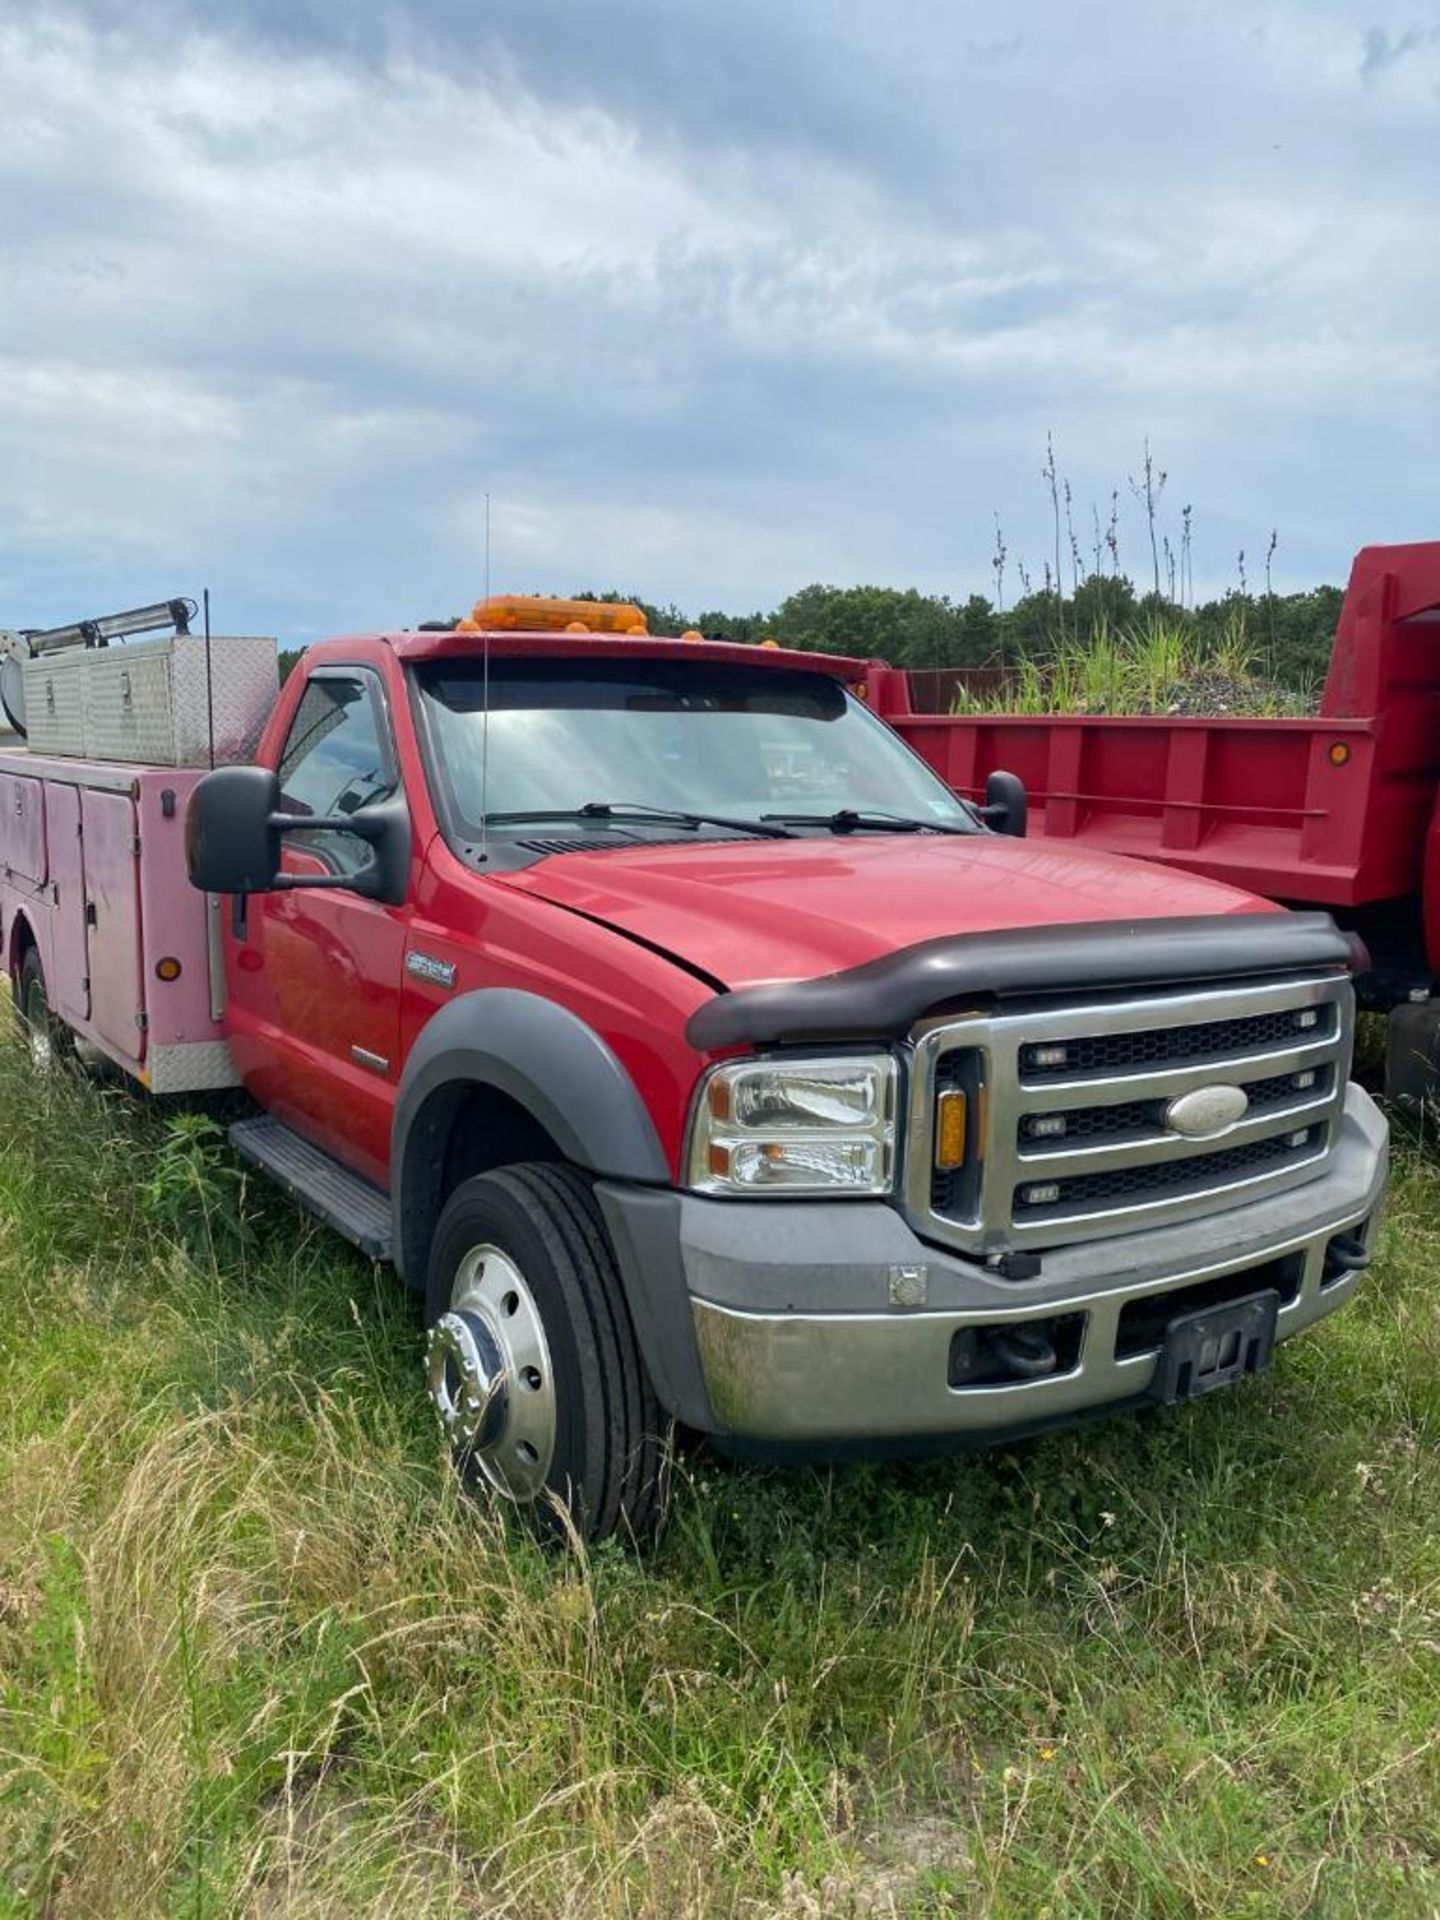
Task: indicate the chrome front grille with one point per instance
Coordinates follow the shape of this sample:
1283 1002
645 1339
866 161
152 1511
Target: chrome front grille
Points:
1147 1047
1201 1171
1145 1119
1068 1136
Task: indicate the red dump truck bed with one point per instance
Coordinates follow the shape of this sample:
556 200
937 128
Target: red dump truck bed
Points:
1337 811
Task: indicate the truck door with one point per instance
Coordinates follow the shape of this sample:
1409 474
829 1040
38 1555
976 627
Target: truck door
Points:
112 910
69 961
315 982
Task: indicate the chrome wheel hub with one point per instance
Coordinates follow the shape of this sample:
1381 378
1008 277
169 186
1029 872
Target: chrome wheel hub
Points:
489 1375
468 1379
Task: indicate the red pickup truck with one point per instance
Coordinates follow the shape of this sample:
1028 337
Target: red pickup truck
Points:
1341 811
699 1056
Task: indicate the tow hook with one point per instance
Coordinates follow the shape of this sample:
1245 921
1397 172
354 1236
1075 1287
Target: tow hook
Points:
1026 1352
1346 1253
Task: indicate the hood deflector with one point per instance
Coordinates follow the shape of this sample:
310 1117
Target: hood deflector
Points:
889 994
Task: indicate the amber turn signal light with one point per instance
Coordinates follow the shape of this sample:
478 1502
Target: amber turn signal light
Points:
950 1115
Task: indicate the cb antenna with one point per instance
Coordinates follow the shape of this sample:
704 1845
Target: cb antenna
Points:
209 680
485 704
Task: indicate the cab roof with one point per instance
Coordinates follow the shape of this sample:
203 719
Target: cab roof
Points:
521 623
415 647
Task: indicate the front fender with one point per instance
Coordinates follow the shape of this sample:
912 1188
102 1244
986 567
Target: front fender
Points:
546 1059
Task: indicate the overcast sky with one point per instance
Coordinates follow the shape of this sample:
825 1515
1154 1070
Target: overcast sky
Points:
714 300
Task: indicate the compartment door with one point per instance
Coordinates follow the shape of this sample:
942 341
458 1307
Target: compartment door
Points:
130 713
69 956
22 826
112 905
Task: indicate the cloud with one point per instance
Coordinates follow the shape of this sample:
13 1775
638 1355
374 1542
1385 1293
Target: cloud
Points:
711 303
1383 52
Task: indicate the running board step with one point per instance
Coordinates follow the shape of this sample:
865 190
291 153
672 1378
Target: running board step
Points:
338 1197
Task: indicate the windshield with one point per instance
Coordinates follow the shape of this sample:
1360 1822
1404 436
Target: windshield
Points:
696 736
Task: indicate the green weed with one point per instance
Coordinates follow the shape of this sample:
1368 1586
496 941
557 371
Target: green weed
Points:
259 1657
1161 664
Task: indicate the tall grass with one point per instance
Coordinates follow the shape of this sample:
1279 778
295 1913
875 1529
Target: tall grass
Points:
1154 666
259 1658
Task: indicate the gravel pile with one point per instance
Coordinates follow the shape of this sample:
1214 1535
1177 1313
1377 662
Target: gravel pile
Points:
1208 694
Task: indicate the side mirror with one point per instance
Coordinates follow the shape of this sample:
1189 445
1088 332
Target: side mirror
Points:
232 844
1005 804
234 827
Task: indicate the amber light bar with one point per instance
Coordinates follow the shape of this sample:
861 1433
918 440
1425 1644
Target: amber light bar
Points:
532 613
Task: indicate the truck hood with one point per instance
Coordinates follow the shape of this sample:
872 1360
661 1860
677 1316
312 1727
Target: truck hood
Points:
745 912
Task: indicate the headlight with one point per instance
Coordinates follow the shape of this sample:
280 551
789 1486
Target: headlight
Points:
796 1126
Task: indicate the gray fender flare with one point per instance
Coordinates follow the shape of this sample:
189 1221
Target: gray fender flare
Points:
566 1076
548 1061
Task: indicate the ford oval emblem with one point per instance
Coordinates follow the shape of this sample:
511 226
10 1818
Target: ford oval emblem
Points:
1207 1110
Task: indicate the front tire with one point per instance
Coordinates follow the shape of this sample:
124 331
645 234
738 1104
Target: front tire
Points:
532 1360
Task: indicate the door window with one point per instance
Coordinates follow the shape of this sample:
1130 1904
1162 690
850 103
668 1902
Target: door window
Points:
336 759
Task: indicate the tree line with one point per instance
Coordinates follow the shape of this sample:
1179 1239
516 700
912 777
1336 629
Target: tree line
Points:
1288 635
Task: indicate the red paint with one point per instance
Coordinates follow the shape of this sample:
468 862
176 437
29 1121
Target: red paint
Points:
320 977
749 912
317 974
499 935
570 646
1256 803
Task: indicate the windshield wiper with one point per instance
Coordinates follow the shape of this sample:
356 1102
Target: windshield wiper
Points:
626 810
849 820
620 811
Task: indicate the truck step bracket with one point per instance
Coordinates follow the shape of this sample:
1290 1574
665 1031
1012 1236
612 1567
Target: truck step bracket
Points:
333 1193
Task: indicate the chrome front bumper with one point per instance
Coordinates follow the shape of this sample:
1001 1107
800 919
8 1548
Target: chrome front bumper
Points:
814 1325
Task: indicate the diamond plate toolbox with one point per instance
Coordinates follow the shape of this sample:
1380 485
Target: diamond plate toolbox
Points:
150 703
